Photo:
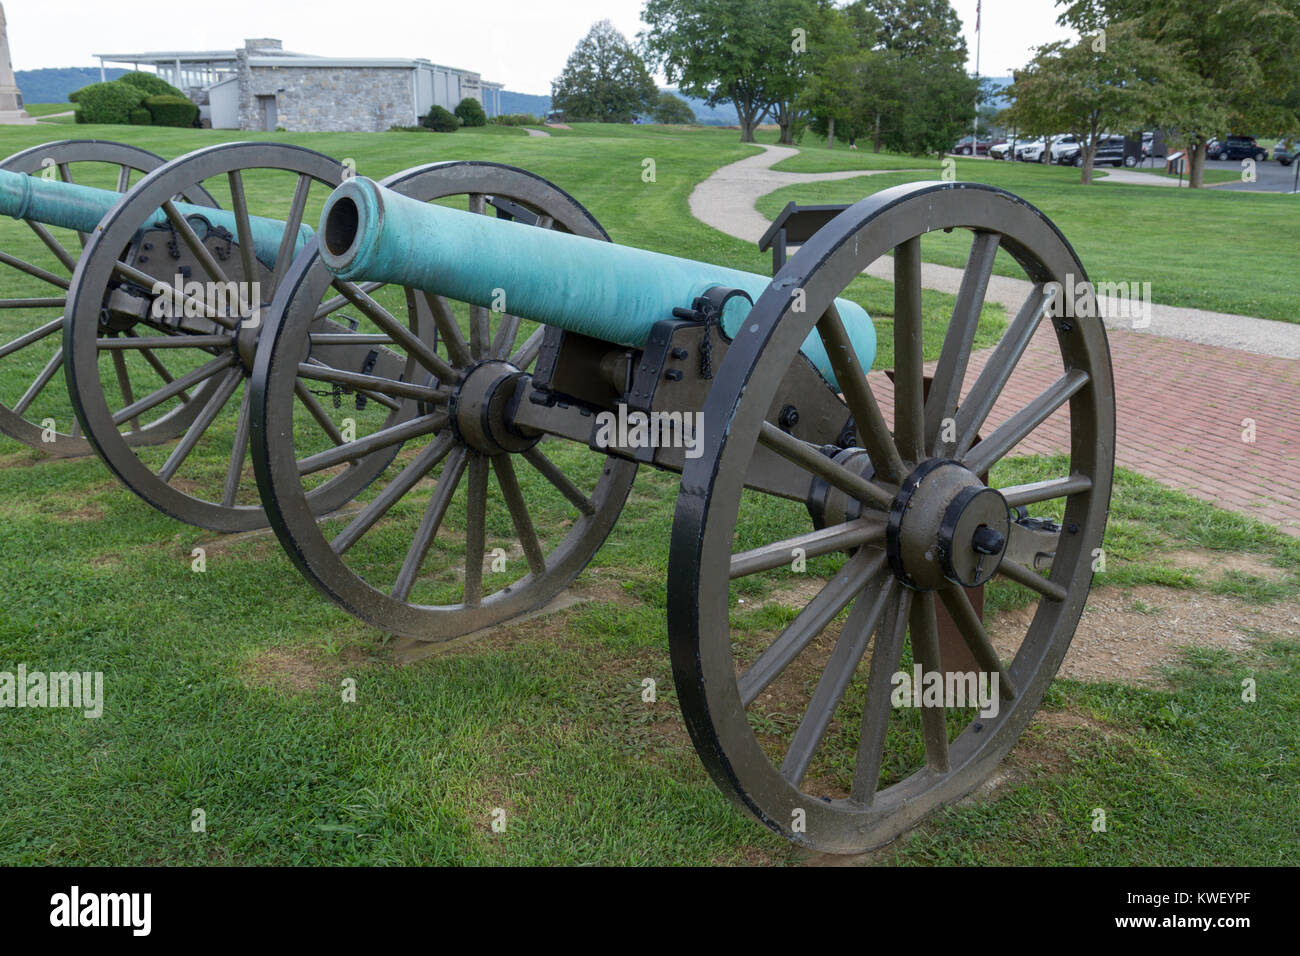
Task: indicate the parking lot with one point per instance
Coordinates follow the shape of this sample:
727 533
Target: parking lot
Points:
1270 176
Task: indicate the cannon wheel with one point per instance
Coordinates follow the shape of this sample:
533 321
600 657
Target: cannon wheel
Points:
34 345
205 371
802 732
401 529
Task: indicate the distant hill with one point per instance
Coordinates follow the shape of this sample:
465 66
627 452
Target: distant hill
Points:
54 85
530 103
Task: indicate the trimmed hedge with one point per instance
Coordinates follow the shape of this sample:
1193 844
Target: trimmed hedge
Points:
149 84
106 102
141 117
440 120
470 112
516 119
169 110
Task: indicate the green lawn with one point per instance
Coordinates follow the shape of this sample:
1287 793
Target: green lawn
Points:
45 109
223 689
1204 248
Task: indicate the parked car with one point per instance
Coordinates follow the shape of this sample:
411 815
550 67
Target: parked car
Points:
1284 154
1110 150
963 147
1063 144
1236 147
1031 151
1002 150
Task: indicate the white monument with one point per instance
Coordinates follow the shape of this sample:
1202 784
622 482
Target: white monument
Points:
11 100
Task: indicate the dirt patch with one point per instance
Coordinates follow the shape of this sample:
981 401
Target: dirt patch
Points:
84 513
300 669
1220 563
1130 635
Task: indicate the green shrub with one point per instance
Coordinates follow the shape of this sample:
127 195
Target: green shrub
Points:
140 117
106 102
516 119
395 128
470 112
440 120
171 110
149 84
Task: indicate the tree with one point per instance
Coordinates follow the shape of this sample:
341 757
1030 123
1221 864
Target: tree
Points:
470 112
1243 54
604 79
1093 86
737 51
672 109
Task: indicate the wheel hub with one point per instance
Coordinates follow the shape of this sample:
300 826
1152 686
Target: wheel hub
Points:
482 405
946 525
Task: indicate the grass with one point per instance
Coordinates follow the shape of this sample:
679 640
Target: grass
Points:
45 109
225 690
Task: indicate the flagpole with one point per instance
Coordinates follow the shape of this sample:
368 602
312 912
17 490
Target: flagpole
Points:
975 126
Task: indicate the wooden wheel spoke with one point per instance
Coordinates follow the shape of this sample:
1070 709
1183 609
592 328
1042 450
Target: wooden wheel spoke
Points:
38 385
330 306
123 178
384 438
1010 433
175 387
243 228
1035 582
950 371
68 260
872 432
195 245
448 328
480 331
318 412
524 531
527 353
869 530
402 335
124 384
35 271
812 460
1037 491
163 342
957 601
372 384
993 377
856 573
909 406
394 491
924 628
885 659
201 424
292 225
507 332
475 530
238 454
559 480
849 648
429 524
35 335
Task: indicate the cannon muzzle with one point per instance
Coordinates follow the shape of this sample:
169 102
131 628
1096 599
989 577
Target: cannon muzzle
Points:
70 206
599 289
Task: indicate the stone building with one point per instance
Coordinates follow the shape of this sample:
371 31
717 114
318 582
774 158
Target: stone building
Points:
262 86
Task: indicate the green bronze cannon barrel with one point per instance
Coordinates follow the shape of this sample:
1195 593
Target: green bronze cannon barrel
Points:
67 205
606 291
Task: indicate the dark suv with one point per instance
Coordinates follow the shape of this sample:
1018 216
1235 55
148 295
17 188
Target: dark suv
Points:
1236 147
1110 149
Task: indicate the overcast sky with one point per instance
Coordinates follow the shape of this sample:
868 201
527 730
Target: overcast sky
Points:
521 43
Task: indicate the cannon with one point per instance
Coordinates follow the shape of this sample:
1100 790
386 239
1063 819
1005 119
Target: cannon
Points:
161 314
562 362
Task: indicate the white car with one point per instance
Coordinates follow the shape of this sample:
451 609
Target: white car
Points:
1031 151
1065 143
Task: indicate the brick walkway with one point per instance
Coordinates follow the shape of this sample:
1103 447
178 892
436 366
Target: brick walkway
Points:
1179 413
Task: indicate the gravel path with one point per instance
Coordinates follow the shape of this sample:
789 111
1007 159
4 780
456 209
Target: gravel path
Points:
726 200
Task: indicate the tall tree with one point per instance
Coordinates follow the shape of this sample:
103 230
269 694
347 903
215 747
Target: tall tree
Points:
1245 55
604 80
736 51
1118 83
